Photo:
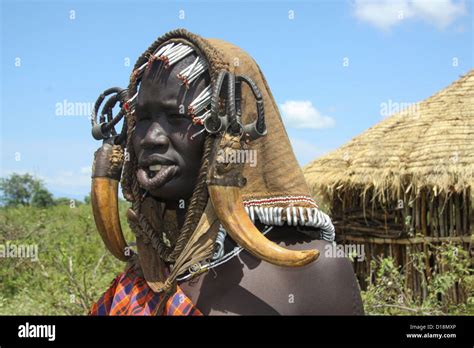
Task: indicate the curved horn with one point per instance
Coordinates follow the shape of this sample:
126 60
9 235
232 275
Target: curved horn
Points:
105 208
105 179
224 183
227 202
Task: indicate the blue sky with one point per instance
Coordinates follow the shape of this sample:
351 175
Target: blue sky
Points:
331 66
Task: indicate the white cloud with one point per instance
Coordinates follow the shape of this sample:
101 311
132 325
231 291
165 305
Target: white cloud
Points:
72 182
384 14
302 114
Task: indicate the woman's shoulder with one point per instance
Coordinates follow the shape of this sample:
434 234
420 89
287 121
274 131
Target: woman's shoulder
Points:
246 285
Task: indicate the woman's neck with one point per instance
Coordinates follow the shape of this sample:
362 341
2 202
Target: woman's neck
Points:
180 207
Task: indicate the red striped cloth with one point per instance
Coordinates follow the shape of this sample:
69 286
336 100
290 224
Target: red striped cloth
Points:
130 294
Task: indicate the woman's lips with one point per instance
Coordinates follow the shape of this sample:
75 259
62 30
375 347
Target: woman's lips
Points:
156 176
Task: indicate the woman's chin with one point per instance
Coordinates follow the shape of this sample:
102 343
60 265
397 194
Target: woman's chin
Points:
174 190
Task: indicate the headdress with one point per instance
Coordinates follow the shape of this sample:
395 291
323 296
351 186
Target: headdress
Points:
241 118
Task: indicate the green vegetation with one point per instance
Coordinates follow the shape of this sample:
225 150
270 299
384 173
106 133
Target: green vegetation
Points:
42 198
73 267
26 190
388 295
19 189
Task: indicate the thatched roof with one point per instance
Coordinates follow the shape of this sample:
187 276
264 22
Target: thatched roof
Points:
430 145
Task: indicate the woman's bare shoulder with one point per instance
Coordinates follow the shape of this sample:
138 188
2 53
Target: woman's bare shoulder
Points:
246 285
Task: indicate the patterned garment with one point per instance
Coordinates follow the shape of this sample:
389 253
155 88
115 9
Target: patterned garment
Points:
129 294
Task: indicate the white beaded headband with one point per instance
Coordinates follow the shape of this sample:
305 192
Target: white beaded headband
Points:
170 54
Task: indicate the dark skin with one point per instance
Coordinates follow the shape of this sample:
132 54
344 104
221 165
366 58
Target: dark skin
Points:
163 133
245 285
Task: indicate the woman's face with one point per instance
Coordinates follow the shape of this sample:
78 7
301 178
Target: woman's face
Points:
168 159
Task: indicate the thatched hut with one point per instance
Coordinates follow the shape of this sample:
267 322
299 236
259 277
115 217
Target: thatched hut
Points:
406 182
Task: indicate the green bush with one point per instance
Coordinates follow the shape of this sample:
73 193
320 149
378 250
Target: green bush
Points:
19 189
388 293
73 267
72 203
42 198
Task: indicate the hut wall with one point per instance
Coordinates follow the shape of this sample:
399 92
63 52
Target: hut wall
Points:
399 228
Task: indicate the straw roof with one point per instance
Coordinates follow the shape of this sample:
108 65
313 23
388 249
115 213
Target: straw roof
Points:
430 146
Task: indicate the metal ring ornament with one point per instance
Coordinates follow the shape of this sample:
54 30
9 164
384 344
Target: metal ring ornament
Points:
257 128
217 123
105 128
232 119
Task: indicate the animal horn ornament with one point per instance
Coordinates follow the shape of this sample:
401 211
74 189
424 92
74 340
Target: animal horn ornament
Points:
225 179
106 172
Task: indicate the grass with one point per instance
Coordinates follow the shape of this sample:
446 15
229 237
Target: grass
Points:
74 268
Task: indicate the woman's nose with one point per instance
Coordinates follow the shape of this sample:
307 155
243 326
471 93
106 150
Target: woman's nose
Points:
155 137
